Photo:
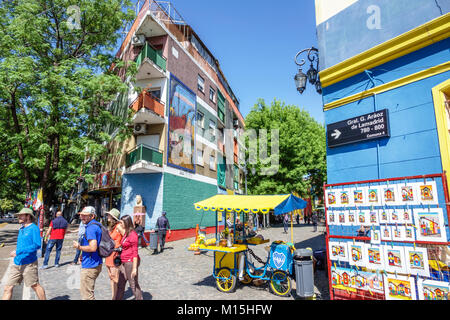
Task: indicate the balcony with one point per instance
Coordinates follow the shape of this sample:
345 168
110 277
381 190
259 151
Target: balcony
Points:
151 64
148 109
144 159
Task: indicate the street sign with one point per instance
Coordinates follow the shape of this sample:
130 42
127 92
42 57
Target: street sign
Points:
369 126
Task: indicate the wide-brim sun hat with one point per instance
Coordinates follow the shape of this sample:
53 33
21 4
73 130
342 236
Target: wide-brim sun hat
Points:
114 213
26 211
88 210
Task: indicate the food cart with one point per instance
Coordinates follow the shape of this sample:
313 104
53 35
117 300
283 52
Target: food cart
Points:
233 259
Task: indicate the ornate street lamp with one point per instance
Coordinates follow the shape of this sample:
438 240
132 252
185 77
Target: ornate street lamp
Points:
312 75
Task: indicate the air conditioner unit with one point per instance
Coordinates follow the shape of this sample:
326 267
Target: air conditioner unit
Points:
138 40
235 123
139 128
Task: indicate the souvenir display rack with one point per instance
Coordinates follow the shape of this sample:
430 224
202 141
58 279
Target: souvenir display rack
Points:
385 238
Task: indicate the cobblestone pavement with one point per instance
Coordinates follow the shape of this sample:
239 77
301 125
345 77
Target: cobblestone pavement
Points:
176 274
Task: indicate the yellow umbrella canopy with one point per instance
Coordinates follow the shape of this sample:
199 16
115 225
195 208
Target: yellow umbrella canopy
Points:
238 203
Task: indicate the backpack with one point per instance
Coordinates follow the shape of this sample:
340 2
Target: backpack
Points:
106 246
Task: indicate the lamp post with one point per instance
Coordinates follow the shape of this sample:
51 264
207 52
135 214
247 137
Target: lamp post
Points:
312 75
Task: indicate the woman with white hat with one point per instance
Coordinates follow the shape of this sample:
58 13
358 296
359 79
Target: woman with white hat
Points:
115 231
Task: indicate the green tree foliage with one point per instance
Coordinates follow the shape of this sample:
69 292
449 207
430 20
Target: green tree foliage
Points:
55 89
302 151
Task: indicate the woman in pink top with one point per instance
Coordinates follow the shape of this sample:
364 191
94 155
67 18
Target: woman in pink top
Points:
128 271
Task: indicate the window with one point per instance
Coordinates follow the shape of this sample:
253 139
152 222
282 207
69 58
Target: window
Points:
201 84
212 94
212 163
200 122
200 157
212 130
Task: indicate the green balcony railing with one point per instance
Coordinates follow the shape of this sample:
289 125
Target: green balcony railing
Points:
142 152
148 52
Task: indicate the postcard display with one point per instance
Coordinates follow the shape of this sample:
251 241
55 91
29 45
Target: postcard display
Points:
386 239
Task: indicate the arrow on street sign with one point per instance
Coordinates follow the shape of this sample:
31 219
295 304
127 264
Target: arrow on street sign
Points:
336 134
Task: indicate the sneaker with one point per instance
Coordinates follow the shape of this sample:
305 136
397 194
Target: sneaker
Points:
56 265
44 267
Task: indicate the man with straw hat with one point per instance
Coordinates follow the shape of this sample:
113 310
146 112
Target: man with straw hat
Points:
25 265
91 261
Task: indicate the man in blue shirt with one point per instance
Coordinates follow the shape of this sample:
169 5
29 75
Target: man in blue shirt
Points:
25 265
91 262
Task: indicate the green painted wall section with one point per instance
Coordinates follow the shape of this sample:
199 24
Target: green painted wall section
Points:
180 194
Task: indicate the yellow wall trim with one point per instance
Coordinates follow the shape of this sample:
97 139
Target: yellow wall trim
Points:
431 32
442 127
390 85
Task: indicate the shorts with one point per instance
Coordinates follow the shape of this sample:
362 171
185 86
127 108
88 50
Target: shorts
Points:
27 272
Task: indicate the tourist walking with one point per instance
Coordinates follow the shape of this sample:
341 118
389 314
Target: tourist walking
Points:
129 256
163 226
81 231
91 262
314 221
285 222
115 231
25 265
56 232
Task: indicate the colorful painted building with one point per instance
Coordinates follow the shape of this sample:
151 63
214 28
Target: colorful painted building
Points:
186 123
374 58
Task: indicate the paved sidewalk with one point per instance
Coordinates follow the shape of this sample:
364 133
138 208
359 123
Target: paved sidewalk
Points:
175 274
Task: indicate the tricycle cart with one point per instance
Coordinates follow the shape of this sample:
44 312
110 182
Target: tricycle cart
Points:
233 259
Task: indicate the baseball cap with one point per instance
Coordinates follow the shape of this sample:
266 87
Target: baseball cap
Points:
114 213
88 210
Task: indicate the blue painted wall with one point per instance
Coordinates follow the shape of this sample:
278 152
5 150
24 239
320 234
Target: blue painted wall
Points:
150 187
346 34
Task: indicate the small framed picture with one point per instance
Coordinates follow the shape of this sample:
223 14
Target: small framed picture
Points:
399 287
345 198
373 217
359 196
331 217
430 225
394 259
331 196
385 232
408 194
395 215
398 233
433 290
352 218
406 216
338 251
417 261
374 196
410 234
341 216
375 237
390 195
375 257
383 215
357 254
427 192
363 218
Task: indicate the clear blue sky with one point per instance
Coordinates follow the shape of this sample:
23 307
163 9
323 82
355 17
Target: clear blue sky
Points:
255 42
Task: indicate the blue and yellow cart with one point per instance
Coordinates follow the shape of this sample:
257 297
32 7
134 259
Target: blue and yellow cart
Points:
234 261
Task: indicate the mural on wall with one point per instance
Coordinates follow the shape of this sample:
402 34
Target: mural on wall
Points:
181 137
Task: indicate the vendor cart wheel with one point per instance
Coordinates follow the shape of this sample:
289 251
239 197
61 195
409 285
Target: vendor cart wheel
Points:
280 283
225 280
247 279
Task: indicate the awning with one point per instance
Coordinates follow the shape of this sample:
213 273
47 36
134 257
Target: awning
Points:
257 203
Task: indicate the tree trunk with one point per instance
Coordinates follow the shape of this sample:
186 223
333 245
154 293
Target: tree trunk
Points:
19 145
